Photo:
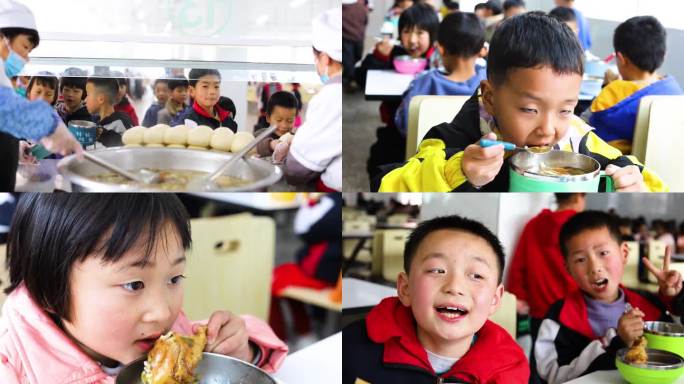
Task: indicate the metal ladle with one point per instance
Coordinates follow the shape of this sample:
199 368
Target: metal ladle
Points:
144 177
206 183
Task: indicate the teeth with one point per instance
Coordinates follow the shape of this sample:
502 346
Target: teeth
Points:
451 312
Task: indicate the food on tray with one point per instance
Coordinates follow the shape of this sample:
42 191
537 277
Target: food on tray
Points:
240 140
133 136
154 136
173 358
559 171
176 137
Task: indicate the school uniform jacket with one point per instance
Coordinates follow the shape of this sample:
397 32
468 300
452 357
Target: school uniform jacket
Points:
567 347
437 165
201 117
384 348
614 110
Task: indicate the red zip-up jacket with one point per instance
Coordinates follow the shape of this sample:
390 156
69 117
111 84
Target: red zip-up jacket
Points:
384 348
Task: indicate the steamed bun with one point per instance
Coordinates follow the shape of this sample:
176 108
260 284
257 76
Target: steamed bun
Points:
222 139
133 136
176 137
240 140
200 136
287 138
154 136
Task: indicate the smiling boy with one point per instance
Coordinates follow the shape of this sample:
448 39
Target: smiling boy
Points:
437 329
534 73
582 332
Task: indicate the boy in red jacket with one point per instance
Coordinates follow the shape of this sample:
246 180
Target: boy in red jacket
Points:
437 329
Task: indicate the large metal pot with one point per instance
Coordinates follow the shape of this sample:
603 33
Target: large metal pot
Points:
213 368
260 173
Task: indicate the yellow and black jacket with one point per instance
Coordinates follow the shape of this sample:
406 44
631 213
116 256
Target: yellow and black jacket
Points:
437 165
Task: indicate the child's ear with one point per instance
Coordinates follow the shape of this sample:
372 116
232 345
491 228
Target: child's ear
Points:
487 96
440 49
496 299
403 289
191 90
624 252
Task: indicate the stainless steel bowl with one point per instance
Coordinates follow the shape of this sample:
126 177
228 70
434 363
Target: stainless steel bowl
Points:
260 173
212 369
658 360
531 164
664 328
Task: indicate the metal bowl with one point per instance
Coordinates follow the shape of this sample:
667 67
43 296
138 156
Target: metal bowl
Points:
530 164
212 369
662 367
260 173
664 328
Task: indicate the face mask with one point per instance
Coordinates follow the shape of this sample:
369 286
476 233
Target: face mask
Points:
14 63
21 91
324 77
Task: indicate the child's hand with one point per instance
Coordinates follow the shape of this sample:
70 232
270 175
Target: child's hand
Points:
227 335
25 156
481 165
384 47
670 282
626 179
631 326
522 307
280 151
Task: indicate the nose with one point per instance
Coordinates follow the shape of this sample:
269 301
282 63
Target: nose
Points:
546 126
157 307
595 265
453 285
414 38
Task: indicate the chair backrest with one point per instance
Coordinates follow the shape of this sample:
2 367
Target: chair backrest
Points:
630 277
506 316
656 253
392 252
427 111
398 219
659 143
230 266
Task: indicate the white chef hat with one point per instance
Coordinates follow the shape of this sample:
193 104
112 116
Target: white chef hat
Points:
327 33
350 1
16 15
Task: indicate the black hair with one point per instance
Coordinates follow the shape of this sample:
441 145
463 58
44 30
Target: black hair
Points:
532 40
564 14
282 99
481 6
46 79
642 39
461 34
508 4
195 74
106 85
494 6
456 223
420 15
451 4
562 198
160 81
177 83
52 231
11 33
227 104
588 220
74 78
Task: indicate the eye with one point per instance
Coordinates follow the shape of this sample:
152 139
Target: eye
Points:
438 271
528 110
177 279
133 286
603 253
566 112
476 276
579 260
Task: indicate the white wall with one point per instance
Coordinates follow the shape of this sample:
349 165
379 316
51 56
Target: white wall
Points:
483 207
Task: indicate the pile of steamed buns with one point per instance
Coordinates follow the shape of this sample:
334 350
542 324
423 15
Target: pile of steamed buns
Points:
181 136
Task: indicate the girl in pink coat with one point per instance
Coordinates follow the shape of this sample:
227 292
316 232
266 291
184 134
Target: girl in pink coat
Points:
95 279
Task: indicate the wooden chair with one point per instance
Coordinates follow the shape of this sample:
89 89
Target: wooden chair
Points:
230 266
392 252
505 316
630 277
658 134
427 111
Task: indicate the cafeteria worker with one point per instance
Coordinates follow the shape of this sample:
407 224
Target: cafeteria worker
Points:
20 118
